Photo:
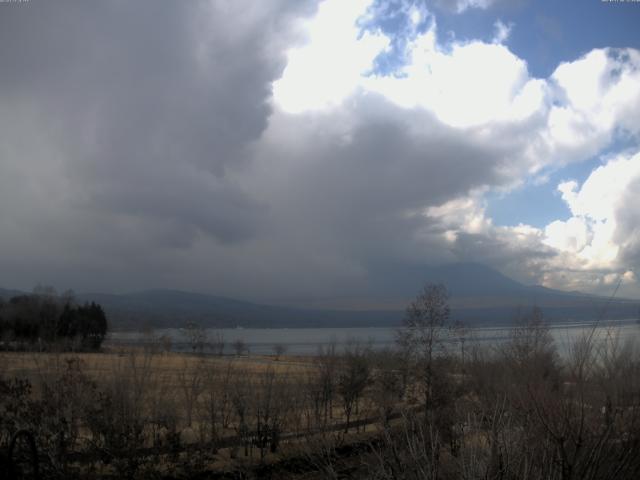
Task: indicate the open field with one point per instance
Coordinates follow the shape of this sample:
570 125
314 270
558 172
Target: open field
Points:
518 411
225 409
97 365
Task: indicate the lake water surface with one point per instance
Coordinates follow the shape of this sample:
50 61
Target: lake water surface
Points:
307 341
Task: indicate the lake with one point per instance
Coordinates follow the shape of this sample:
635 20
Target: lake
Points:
307 341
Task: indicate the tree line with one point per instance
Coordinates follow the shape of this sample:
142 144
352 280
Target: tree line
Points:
46 319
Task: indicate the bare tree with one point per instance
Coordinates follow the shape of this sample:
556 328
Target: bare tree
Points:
460 332
239 346
196 337
279 349
271 400
191 382
411 450
120 414
327 362
214 393
165 342
314 394
216 407
353 379
424 324
531 350
387 384
218 343
241 401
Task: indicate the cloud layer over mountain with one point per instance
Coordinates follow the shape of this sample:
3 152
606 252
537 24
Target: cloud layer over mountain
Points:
256 149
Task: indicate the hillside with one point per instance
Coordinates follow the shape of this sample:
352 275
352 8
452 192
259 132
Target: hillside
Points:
479 295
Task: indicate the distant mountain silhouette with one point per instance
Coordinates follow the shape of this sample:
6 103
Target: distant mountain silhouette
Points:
472 279
174 308
479 295
461 280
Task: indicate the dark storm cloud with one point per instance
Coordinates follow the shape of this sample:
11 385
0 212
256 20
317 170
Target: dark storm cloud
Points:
350 189
152 102
137 112
139 147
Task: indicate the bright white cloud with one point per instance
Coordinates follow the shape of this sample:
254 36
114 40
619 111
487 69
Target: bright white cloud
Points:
467 85
464 214
572 115
593 96
590 233
572 235
474 84
328 69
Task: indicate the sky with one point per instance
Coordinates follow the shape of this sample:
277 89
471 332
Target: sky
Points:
305 150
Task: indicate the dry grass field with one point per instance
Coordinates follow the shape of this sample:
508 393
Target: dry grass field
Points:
514 412
99 365
226 412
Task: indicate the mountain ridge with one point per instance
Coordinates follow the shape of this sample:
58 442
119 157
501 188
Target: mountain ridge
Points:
479 295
